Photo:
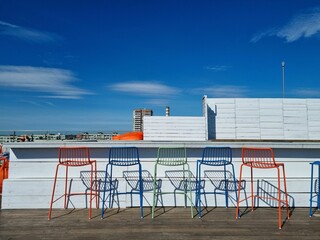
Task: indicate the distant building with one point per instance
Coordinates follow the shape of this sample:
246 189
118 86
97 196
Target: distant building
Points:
138 115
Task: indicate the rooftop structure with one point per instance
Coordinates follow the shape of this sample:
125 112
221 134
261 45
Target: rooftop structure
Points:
138 115
241 119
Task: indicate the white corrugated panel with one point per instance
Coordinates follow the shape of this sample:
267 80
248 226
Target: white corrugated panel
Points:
266 118
157 128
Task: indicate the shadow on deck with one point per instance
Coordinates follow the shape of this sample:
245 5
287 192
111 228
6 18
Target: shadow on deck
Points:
175 223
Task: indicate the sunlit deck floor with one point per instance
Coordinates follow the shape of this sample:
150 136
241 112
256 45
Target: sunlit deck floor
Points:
175 223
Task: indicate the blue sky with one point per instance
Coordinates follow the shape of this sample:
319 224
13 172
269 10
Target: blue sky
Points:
86 65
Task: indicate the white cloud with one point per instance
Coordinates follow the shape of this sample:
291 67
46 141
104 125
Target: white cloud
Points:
308 92
303 25
56 82
145 88
223 91
218 68
27 34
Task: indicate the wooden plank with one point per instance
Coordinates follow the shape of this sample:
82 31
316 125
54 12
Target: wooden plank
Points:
173 224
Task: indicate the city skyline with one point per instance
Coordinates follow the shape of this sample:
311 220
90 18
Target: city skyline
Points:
87 66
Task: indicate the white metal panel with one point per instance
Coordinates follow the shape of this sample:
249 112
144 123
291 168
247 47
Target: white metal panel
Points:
174 128
277 118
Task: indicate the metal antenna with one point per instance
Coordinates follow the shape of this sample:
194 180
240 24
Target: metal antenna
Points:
282 64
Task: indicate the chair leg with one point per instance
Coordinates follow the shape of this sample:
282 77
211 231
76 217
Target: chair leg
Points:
286 192
311 191
239 187
190 190
226 187
96 185
252 193
279 201
198 190
235 182
154 190
104 192
66 188
318 192
91 184
141 191
53 191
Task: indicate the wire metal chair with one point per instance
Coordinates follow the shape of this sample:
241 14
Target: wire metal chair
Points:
74 157
172 157
122 157
263 158
216 157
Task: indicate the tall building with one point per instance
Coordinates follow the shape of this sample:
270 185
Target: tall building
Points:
138 115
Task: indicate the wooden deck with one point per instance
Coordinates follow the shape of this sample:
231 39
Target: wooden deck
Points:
175 223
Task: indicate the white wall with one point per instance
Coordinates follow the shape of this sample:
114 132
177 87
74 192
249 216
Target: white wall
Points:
263 118
32 168
173 128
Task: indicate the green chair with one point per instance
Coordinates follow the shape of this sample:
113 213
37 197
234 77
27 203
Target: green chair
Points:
173 157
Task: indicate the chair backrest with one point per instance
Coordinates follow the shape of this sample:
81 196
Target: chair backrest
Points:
217 156
172 156
258 157
74 156
124 156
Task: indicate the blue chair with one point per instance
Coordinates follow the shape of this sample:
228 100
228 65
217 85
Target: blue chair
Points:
122 157
215 157
314 189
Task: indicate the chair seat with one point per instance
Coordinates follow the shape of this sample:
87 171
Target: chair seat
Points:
72 163
263 164
215 162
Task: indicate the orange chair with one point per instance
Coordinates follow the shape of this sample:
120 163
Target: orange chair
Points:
74 157
263 158
4 169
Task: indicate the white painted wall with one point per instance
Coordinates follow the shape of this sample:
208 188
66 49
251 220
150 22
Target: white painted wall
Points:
263 118
174 128
32 168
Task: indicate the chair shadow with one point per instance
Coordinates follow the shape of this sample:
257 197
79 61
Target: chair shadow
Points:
132 178
314 194
268 193
98 188
223 184
180 183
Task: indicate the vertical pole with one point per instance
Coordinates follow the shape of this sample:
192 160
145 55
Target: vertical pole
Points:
283 65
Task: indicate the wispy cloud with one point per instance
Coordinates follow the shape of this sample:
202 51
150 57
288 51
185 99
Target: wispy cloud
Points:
145 88
303 25
223 91
27 34
56 82
218 68
307 92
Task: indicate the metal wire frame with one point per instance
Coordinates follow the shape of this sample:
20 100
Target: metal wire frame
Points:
216 157
122 157
172 157
314 187
74 157
263 158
